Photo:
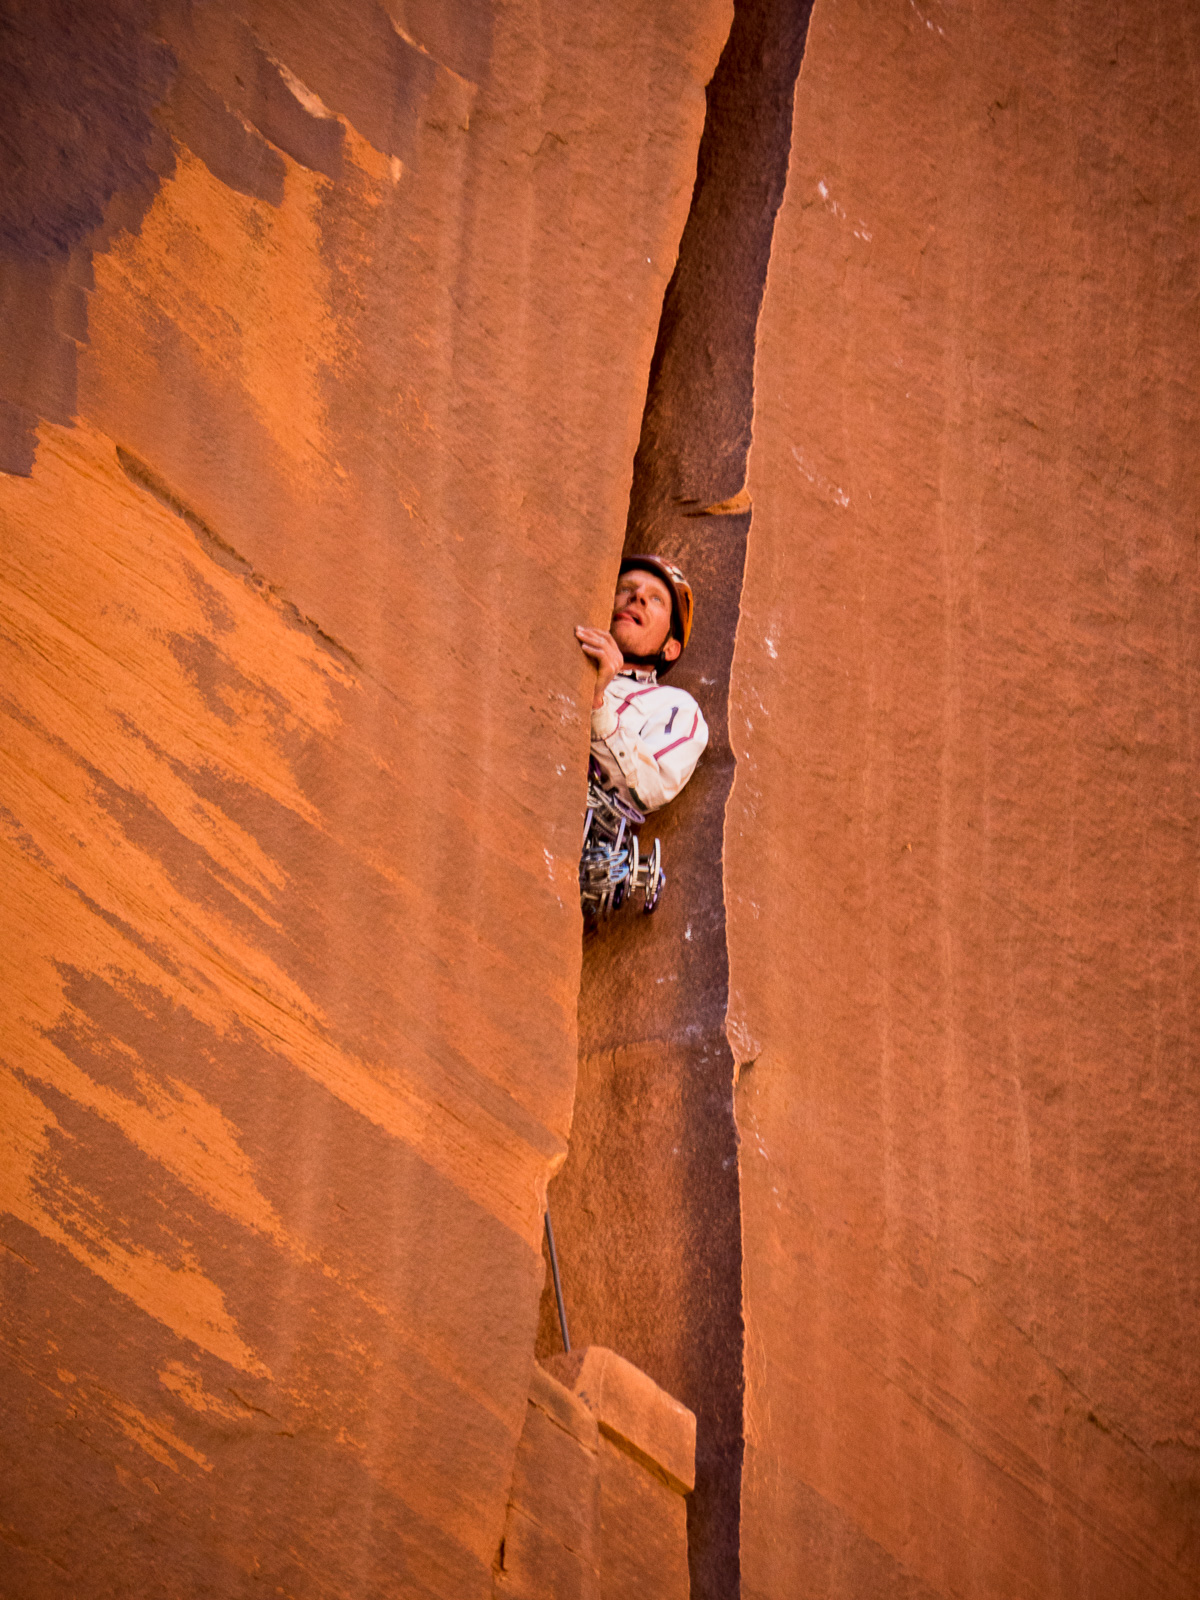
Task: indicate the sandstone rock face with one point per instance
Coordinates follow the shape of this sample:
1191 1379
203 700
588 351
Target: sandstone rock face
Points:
597 1509
645 1465
960 863
552 1533
330 332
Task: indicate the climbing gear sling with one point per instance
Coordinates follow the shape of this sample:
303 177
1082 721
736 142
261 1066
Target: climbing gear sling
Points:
612 867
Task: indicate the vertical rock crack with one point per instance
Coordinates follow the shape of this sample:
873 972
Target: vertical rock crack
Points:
647 1206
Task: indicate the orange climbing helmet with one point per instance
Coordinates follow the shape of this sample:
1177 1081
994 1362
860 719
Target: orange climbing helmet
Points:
681 591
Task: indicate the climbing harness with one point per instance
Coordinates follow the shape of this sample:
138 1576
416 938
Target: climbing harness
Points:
612 868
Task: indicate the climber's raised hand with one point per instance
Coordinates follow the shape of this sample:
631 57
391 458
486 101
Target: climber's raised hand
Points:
605 655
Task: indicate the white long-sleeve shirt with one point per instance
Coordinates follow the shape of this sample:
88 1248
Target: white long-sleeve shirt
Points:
647 738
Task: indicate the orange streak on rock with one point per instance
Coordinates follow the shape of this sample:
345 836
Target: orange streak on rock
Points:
156 1437
181 1380
61 634
244 281
182 1298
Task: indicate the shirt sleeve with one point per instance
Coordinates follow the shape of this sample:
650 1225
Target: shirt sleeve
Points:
659 759
604 721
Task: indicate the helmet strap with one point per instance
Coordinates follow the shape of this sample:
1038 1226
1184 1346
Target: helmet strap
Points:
658 661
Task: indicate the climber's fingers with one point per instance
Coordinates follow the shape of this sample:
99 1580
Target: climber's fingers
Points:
600 645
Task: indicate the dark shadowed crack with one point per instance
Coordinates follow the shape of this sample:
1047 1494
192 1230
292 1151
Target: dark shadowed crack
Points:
648 1205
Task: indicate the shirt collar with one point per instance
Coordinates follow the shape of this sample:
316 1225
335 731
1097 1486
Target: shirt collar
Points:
642 674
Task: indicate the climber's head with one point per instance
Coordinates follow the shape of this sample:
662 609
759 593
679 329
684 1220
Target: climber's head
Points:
652 612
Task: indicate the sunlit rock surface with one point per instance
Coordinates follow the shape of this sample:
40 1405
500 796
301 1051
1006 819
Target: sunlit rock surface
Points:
326 337
961 848
329 329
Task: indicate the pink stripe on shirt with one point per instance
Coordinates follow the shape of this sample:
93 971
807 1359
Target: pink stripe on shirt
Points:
647 690
659 754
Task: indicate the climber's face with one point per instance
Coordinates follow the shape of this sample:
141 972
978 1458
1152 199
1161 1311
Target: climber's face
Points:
641 621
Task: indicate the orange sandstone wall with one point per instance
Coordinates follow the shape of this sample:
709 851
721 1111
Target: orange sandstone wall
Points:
327 324
328 327
961 848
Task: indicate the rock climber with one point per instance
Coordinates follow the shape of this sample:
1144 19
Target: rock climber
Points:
646 737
